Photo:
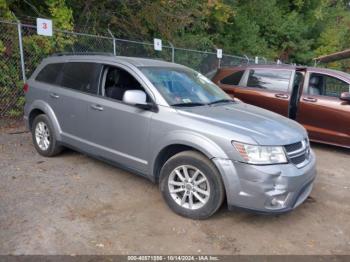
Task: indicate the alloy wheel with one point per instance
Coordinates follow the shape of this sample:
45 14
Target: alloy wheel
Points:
189 187
42 136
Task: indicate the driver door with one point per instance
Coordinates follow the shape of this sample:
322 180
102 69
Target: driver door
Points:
119 131
321 112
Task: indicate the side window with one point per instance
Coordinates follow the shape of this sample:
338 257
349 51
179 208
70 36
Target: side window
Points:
233 79
49 73
334 87
325 85
81 76
274 80
116 81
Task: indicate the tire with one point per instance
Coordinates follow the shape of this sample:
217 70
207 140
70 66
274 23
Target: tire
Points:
46 147
199 168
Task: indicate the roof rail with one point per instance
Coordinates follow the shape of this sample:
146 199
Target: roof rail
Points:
83 53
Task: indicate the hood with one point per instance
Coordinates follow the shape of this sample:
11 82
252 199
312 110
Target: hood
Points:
263 126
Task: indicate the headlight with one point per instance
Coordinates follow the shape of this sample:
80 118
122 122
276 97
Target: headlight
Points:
261 155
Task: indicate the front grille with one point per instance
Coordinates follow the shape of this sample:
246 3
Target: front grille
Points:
298 153
293 147
298 160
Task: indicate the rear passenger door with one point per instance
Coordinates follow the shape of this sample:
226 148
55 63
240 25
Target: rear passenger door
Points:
266 88
75 90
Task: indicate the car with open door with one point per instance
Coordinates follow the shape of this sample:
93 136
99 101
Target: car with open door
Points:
318 98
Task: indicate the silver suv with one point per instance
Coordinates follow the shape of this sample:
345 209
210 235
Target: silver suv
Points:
173 126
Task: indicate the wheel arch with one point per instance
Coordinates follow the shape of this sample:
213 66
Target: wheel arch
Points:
32 115
180 142
41 107
166 153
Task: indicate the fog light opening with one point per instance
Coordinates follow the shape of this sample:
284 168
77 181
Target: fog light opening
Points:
278 201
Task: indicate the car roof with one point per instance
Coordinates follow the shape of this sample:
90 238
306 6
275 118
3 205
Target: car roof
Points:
135 61
290 67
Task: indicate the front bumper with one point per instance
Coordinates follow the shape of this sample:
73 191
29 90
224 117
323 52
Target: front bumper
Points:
268 188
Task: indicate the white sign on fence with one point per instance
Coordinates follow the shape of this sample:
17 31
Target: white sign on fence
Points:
44 26
157 44
219 53
256 60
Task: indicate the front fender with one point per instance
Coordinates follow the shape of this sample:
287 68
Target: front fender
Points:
47 109
191 139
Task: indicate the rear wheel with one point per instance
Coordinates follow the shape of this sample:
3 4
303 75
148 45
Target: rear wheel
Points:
44 137
191 185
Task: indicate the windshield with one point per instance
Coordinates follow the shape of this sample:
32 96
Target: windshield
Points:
184 86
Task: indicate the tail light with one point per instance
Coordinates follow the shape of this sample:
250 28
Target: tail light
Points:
25 88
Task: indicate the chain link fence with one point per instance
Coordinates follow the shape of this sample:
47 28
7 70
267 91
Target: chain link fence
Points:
22 49
140 49
11 96
37 47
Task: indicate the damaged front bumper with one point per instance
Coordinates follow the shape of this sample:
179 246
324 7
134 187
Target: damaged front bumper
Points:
266 188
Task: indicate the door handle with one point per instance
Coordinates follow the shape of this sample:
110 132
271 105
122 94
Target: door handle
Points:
310 99
284 96
97 107
54 95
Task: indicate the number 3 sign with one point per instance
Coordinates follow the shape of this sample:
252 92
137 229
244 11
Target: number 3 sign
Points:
44 26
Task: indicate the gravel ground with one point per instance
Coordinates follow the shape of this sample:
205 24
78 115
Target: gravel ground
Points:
73 204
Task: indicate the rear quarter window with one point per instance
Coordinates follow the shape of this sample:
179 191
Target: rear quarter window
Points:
233 79
49 74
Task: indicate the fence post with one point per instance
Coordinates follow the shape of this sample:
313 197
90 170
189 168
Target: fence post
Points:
246 57
19 29
172 52
114 43
114 47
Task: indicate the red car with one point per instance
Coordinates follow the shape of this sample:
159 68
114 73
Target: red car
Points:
317 98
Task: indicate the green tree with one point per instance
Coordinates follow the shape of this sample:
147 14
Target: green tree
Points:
291 30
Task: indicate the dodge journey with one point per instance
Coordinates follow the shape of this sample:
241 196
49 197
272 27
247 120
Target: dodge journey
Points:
172 125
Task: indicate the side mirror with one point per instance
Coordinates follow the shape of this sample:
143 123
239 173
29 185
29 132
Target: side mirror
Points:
137 98
345 96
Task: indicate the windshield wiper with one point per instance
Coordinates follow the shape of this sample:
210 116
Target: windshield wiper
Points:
222 101
189 104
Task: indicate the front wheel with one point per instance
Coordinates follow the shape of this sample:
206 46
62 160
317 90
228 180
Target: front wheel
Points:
191 185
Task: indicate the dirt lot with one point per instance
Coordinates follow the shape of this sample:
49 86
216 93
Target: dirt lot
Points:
73 204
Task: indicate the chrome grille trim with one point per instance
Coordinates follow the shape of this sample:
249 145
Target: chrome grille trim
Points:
293 147
301 156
